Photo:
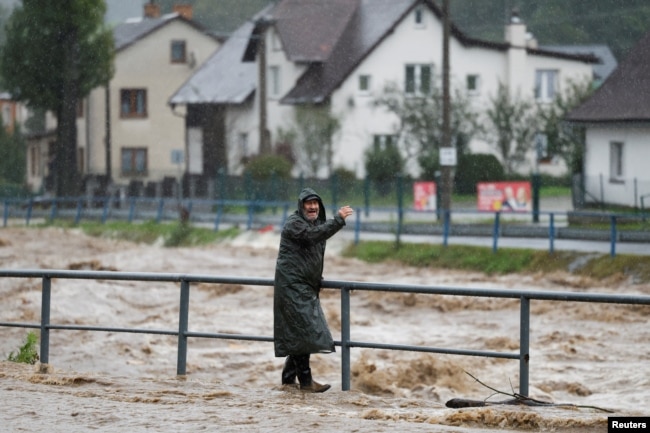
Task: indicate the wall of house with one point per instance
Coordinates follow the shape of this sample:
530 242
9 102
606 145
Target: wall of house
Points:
145 64
360 120
635 180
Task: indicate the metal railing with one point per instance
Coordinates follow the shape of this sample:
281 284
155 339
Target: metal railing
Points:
346 343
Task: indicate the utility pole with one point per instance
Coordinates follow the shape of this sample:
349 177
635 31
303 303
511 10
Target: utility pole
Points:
265 145
445 164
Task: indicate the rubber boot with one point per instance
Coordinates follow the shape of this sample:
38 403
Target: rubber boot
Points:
289 371
304 376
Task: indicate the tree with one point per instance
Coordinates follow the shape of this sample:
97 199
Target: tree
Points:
55 54
316 128
12 157
420 124
510 127
563 139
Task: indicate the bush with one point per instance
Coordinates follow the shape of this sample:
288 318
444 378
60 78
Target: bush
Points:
475 168
345 179
27 354
267 172
383 163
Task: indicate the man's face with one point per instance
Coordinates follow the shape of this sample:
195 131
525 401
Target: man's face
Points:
310 209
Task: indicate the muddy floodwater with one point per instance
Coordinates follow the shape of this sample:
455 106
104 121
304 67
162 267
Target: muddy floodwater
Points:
591 360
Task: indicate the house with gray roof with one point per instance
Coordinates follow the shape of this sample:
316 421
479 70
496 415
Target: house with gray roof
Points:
340 55
127 134
617 125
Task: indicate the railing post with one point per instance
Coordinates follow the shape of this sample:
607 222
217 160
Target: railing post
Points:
345 338
45 320
357 227
30 207
551 232
161 207
612 251
77 217
495 232
524 343
183 315
131 209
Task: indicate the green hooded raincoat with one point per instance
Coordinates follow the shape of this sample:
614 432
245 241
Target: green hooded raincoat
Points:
300 327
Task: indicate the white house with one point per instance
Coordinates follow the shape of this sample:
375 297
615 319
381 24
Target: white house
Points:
617 123
127 129
342 53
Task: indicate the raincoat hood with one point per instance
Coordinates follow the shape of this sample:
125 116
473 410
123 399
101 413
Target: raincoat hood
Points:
310 194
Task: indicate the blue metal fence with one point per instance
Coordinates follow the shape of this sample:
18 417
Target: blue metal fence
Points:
183 332
396 220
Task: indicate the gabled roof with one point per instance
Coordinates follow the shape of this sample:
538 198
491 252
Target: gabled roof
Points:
624 96
224 78
607 62
132 30
371 22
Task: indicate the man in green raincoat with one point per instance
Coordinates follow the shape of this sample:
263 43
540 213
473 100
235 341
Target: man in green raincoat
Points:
300 328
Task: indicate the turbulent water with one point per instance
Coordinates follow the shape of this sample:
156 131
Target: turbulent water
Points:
591 360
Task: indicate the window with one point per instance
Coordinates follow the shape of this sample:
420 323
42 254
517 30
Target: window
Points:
616 161
545 85
81 160
243 144
473 84
178 52
364 84
274 72
134 161
382 142
418 79
418 17
133 103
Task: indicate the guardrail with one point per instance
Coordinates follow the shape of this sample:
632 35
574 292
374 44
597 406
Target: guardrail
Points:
395 220
184 333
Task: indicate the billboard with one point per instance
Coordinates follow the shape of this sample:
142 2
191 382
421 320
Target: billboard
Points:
424 196
504 196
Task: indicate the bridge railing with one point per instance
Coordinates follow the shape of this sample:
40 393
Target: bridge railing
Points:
183 333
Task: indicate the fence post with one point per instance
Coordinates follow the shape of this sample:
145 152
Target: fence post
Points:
161 206
77 217
495 232
345 338
613 236
551 232
183 315
524 342
357 226
45 320
30 206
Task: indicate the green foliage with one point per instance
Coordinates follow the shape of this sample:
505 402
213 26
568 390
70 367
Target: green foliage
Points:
27 354
504 261
510 127
316 128
264 167
53 57
345 179
420 130
12 157
474 168
383 162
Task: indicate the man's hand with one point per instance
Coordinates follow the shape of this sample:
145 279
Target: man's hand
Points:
345 212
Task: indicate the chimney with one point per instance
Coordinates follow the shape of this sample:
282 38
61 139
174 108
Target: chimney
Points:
151 10
184 10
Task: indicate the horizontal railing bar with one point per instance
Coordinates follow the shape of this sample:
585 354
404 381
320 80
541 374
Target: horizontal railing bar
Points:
229 336
108 329
427 349
20 325
334 284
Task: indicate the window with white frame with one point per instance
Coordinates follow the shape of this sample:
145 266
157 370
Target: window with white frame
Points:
473 82
383 141
274 81
364 84
616 169
545 85
418 80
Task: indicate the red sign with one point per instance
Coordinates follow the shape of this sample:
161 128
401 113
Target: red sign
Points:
424 195
504 196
